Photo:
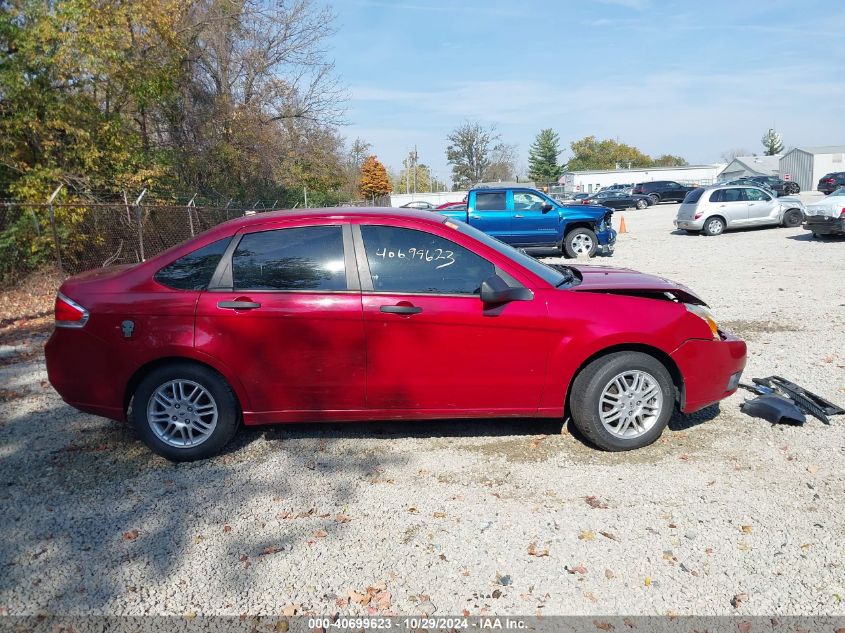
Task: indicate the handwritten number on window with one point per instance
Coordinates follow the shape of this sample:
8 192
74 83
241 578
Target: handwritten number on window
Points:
424 255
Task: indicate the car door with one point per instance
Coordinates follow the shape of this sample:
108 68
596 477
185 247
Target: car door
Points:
762 208
491 213
674 191
433 347
532 225
284 314
731 204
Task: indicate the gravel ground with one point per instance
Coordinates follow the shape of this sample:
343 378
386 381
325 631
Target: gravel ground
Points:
504 517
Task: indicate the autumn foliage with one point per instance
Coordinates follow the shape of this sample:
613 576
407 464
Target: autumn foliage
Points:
374 180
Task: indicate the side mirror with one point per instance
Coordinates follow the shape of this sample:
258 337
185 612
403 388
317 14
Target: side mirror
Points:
546 208
495 290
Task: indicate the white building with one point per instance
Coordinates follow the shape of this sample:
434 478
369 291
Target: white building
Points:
745 166
593 180
806 165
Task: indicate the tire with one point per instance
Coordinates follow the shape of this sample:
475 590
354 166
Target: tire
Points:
793 188
212 412
597 396
655 199
793 218
714 226
580 241
641 204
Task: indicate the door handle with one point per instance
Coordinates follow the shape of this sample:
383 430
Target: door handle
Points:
475 217
518 215
401 309
238 305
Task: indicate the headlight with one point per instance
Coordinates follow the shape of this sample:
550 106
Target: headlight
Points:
705 315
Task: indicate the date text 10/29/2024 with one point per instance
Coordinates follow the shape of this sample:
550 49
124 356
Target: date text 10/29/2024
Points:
417 623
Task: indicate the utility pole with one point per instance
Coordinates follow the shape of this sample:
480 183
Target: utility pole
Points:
415 168
305 193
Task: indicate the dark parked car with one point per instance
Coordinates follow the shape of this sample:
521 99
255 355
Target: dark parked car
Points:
618 200
774 184
831 182
662 190
422 205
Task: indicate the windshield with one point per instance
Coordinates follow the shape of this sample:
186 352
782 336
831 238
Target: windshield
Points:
548 274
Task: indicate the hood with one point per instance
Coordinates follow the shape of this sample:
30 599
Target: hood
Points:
629 282
596 211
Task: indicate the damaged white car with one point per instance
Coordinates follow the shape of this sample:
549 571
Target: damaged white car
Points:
827 216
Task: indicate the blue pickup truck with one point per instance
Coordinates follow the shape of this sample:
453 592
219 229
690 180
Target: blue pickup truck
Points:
527 217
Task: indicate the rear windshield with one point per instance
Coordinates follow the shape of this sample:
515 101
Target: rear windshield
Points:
693 196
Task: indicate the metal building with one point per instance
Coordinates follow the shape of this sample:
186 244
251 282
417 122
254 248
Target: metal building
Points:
806 165
744 166
593 180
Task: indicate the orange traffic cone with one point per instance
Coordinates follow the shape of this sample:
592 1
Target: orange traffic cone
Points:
622 228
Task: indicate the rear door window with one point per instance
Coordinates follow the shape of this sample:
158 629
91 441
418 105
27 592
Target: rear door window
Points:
302 258
490 201
410 261
756 195
194 270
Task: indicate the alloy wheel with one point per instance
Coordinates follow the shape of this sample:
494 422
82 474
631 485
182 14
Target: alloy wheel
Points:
630 404
182 413
582 244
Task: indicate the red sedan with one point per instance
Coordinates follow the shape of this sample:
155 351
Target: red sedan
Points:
378 314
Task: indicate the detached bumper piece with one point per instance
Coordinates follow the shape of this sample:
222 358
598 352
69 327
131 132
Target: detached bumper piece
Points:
773 408
781 399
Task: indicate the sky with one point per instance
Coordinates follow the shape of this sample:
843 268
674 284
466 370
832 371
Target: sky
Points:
692 78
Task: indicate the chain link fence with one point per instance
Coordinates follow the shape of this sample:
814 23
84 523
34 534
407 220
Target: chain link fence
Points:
80 236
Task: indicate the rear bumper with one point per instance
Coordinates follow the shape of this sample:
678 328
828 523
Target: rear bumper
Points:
824 225
689 225
710 370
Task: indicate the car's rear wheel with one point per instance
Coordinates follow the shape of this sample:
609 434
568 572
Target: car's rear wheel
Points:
641 204
714 226
184 411
580 242
622 401
655 199
793 218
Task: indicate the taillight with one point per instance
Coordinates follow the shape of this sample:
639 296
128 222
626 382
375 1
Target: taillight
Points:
69 313
842 213
698 215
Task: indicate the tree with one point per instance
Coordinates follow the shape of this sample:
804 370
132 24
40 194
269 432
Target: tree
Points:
374 180
773 142
502 165
589 153
469 153
543 167
729 154
668 160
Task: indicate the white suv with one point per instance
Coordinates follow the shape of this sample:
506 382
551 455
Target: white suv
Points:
712 210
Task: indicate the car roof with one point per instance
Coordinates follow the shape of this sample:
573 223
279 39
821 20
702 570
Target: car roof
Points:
335 213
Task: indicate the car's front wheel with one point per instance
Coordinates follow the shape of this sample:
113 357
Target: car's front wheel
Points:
793 218
655 199
641 204
184 411
622 401
580 241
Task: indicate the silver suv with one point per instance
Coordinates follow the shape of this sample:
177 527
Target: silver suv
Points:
712 210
